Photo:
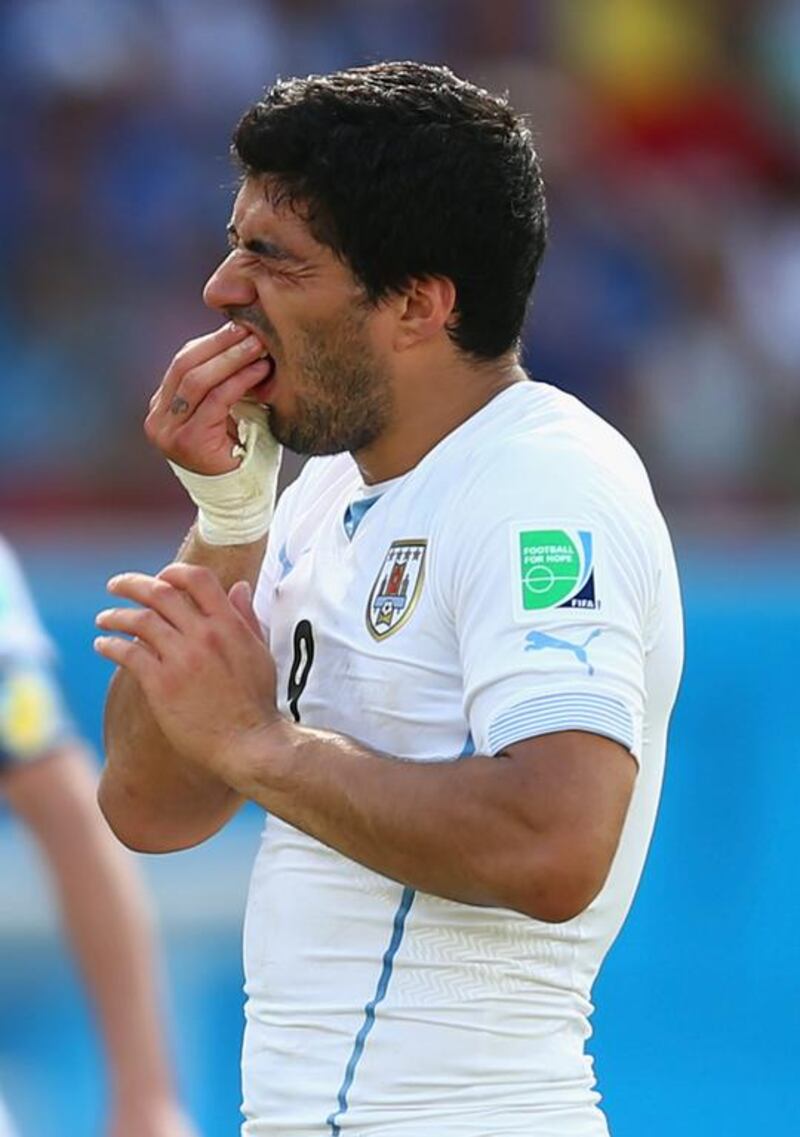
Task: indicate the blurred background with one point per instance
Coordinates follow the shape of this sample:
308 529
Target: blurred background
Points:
669 301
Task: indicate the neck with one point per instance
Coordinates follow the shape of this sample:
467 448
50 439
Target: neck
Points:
426 412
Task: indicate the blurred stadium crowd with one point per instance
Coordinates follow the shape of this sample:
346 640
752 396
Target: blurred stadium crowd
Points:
669 300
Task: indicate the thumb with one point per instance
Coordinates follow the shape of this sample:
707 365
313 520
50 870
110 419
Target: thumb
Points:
241 597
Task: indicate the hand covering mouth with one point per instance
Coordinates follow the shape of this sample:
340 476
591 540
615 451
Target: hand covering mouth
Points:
259 392
270 359
259 389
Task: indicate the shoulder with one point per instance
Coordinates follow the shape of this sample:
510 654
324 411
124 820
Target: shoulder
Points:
15 597
21 631
546 452
544 480
9 565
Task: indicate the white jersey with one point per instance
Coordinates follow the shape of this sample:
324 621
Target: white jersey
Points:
33 718
518 581
21 631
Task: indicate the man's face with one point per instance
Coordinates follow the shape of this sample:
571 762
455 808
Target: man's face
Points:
329 389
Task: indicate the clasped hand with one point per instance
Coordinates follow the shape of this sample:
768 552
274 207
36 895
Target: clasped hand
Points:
199 656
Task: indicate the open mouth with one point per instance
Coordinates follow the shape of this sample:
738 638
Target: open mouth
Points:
260 390
258 393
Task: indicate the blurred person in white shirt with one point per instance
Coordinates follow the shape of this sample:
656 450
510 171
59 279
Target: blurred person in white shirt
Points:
47 777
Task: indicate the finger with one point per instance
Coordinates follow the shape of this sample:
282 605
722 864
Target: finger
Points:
241 597
152 629
152 592
130 654
200 584
218 403
201 441
168 428
196 382
196 352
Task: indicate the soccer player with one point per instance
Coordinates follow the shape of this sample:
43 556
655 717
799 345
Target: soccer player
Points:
48 779
452 687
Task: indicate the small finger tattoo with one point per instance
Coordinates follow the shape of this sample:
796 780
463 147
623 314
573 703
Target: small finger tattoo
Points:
178 406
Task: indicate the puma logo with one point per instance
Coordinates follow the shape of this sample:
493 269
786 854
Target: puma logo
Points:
538 641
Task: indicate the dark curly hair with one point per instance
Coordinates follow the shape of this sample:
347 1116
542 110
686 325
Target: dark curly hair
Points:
405 170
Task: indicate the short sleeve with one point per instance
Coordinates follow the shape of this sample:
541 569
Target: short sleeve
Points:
33 718
549 599
21 631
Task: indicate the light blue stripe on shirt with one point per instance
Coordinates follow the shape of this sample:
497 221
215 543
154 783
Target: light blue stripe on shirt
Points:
545 714
398 929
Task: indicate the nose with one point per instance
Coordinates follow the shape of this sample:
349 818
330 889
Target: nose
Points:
227 287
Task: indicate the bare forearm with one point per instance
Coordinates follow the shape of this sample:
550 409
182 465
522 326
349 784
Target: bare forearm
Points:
105 914
153 799
534 829
452 828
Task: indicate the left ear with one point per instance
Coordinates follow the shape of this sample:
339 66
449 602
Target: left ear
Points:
427 306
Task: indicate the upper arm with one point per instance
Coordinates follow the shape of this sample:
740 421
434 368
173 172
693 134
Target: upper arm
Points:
571 792
45 774
550 582
55 793
33 716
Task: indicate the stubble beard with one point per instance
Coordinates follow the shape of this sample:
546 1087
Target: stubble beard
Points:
343 399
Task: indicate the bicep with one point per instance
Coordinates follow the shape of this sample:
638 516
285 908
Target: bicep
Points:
572 790
579 785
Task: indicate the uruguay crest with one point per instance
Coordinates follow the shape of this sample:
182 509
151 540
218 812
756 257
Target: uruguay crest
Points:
397 587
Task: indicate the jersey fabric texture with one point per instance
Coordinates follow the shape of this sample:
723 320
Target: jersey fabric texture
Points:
32 715
518 581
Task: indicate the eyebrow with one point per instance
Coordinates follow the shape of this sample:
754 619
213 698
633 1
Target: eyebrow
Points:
261 247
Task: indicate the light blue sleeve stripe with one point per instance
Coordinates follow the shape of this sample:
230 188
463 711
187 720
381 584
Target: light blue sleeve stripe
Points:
558 718
559 711
545 714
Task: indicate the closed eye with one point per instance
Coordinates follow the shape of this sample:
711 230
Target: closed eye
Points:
260 247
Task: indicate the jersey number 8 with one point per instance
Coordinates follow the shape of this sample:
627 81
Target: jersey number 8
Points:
301 665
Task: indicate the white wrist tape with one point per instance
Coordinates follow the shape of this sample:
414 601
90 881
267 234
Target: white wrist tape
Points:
236 508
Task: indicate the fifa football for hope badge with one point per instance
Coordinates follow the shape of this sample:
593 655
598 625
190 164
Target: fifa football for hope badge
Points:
554 568
397 587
